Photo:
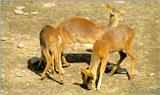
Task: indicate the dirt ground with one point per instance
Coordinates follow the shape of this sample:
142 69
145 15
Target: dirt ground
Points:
20 43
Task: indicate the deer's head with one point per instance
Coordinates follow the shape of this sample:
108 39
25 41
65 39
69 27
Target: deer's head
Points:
115 14
88 79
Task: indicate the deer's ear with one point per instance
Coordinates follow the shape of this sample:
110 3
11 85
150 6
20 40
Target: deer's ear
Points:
86 72
120 14
108 7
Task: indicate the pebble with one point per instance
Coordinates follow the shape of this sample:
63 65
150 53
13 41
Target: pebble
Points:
3 38
47 5
20 45
2 76
34 13
20 12
18 73
151 74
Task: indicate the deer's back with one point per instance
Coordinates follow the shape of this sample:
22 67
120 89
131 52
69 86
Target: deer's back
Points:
115 39
81 29
48 37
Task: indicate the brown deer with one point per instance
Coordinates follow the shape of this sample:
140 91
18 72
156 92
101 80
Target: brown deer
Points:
119 39
49 50
84 31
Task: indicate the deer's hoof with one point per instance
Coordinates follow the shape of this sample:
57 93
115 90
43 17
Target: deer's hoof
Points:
62 83
66 65
42 77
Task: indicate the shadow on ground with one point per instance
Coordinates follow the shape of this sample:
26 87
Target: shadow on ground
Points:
85 57
34 66
33 63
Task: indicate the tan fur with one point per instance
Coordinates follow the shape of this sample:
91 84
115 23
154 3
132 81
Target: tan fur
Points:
118 38
49 50
115 15
84 31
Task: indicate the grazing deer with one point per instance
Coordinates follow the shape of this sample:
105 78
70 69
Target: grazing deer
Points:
84 31
49 50
119 39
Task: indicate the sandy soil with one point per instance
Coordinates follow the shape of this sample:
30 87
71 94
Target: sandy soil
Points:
23 31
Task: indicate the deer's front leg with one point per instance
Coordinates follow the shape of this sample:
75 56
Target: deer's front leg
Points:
102 68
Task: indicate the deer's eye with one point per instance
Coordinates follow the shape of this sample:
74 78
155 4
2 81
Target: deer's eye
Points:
89 79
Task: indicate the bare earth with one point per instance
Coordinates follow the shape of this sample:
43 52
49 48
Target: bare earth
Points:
23 31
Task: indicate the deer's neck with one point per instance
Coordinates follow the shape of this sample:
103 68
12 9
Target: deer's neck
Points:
113 23
93 65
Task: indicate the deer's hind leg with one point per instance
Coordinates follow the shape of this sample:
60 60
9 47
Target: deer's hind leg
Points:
64 61
48 60
58 64
41 61
53 62
132 56
122 57
58 55
129 51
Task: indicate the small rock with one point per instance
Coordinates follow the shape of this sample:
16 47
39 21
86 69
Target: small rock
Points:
157 21
34 13
18 11
17 73
3 38
2 76
47 5
20 45
151 74
25 13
